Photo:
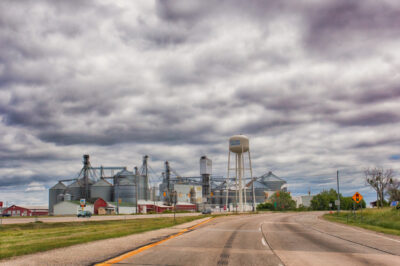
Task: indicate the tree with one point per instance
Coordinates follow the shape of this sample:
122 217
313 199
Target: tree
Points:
379 179
282 200
322 200
393 190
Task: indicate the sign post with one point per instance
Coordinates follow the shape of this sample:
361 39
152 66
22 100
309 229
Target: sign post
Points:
83 203
357 197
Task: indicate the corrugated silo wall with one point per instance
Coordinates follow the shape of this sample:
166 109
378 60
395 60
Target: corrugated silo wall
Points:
53 198
76 192
104 192
142 188
259 195
275 185
126 192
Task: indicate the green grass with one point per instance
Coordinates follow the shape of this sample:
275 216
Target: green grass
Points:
21 239
386 220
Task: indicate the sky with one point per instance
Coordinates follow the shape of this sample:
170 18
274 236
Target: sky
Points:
315 85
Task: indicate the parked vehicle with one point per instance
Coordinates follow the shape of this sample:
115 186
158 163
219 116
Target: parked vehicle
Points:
206 211
84 214
6 215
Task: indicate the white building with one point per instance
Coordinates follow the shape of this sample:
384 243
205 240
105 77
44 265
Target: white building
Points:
70 208
303 200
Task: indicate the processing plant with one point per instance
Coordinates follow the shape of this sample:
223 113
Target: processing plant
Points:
119 186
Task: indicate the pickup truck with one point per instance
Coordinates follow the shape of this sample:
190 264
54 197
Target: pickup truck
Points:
84 214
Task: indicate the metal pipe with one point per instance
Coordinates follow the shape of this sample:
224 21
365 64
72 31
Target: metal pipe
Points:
137 188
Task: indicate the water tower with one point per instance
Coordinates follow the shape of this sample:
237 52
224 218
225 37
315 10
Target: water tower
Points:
239 145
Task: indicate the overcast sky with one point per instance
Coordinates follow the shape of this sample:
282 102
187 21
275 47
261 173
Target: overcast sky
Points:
314 84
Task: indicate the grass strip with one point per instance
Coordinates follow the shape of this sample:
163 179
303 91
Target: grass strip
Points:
386 220
21 239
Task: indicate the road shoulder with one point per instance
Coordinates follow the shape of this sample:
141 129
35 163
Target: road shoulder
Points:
97 251
362 228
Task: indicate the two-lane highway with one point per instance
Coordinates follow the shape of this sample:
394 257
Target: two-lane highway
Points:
271 239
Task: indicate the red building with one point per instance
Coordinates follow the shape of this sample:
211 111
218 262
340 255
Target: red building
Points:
15 210
98 204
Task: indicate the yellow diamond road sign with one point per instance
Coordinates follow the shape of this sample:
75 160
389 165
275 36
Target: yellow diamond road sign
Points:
357 197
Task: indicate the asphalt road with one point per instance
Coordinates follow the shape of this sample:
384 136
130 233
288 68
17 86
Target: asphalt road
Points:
272 239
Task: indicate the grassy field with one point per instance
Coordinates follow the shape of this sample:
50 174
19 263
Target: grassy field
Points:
386 220
28 238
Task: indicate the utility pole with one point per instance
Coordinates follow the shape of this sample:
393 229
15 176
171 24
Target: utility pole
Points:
337 178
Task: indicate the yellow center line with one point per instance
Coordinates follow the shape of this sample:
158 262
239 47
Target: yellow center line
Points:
136 251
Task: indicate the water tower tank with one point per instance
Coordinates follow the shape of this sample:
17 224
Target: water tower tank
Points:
238 143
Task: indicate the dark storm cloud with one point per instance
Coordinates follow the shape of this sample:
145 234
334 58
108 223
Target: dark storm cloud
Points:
192 11
350 28
379 95
15 180
38 116
377 143
128 134
369 119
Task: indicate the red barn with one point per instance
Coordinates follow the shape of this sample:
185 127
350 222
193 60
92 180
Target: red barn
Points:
15 210
98 204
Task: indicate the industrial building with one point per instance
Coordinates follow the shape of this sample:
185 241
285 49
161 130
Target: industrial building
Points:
15 210
129 191
92 183
264 187
303 200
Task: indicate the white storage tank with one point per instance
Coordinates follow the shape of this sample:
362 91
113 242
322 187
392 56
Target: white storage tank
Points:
205 166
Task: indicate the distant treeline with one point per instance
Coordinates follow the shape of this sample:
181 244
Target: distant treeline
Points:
283 201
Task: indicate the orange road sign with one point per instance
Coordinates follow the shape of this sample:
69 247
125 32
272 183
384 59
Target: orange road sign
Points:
357 197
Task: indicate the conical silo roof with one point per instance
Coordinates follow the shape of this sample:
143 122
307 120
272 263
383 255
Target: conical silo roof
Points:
59 185
102 183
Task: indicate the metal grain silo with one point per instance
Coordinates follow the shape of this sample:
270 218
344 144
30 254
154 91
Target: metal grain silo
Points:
143 190
125 187
75 189
102 189
67 197
54 191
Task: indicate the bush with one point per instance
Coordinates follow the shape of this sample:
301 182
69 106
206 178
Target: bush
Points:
264 206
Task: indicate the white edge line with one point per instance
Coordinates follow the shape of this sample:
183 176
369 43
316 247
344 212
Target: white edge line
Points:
263 242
